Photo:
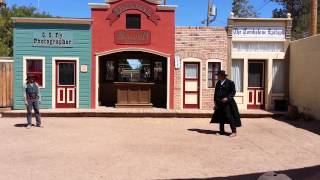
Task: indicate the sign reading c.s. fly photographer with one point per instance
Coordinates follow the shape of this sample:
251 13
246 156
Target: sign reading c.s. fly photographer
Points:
58 39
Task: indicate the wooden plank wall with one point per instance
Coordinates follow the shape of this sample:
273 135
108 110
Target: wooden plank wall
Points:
6 84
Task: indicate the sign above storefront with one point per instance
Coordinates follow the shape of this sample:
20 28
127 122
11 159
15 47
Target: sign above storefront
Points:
132 37
258 32
133 5
52 39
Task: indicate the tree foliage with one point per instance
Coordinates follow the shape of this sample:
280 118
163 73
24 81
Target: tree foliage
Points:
300 13
243 9
6 25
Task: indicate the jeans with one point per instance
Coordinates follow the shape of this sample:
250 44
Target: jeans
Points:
35 105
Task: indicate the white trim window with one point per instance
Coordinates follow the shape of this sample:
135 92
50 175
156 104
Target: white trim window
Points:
35 66
278 76
258 46
237 73
213 68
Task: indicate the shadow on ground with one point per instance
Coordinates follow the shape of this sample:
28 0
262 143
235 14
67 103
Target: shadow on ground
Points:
206 131
310 125
22 125
308 173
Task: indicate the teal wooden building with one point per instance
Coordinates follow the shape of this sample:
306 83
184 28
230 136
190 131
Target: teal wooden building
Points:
57 52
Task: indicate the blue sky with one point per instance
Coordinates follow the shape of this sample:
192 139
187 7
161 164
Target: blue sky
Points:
189 12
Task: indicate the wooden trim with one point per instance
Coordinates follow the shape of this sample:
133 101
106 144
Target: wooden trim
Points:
99 5
167 7
52 20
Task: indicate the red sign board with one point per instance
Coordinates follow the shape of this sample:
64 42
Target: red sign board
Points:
133 5
132 37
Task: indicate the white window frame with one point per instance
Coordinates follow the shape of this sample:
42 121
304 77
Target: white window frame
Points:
207 70
43 59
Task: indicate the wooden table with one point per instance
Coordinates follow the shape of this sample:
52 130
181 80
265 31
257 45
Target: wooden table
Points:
133 94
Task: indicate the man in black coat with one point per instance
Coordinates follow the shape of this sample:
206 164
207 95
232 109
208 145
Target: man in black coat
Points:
226 109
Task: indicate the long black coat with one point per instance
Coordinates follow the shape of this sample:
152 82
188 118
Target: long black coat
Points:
225 112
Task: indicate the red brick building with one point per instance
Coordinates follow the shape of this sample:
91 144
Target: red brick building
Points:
140 59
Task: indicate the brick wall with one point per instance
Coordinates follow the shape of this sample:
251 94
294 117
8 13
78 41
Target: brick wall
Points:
204 43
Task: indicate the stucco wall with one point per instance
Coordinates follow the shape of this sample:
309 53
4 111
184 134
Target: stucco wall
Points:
305 76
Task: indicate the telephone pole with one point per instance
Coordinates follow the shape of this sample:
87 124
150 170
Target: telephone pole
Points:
165 2
314 18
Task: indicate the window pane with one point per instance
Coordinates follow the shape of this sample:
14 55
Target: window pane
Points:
191 71
213 68
237 74
110 70
34 68
278 76
66 74
258 46
158 71
255 75
133 21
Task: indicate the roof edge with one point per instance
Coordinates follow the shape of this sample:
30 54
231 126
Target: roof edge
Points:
52 20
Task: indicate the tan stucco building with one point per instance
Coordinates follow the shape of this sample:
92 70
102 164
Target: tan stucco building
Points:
304 76
257 60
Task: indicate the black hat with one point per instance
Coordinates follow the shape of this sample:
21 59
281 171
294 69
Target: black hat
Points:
223 73
30 76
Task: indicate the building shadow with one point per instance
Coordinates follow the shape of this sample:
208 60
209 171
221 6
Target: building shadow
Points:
307 173
206 131
309 125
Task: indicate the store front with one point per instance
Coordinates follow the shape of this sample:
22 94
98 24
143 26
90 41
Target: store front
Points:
258 60
56 51
132 54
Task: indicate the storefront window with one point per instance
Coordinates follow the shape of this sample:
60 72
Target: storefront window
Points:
258 47
158 71
110 71
35 69
213 68
134 70
237 74
133 21
278 76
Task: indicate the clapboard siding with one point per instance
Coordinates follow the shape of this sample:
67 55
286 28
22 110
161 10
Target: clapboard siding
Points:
23 46
6 81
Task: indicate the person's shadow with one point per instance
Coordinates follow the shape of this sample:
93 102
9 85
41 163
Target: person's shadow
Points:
206 131
22 125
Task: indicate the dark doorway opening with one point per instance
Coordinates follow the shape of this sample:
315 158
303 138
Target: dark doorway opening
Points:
132 67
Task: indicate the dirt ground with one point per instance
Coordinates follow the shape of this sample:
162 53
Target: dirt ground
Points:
123 148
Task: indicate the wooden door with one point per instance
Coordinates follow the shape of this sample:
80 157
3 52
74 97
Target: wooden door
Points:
66 84
191 85
6 84
256 85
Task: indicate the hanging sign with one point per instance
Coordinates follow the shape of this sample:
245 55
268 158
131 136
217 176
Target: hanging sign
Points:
177 62
133 5
258 32
132 37
52 39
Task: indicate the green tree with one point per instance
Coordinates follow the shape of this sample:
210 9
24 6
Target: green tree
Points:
300 13
243 9
6 25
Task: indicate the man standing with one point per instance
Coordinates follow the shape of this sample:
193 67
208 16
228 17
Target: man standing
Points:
32 101
226 109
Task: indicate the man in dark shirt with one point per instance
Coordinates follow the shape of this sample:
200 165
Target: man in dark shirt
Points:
226 109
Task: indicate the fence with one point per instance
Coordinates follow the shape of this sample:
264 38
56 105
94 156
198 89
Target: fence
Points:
6 82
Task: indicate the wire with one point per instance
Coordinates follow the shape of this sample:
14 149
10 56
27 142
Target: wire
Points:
264 5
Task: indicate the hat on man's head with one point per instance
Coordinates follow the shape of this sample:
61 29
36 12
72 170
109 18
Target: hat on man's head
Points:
222 72
30 76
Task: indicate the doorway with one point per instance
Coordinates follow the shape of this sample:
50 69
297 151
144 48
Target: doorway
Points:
66 84
256 84
191 85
